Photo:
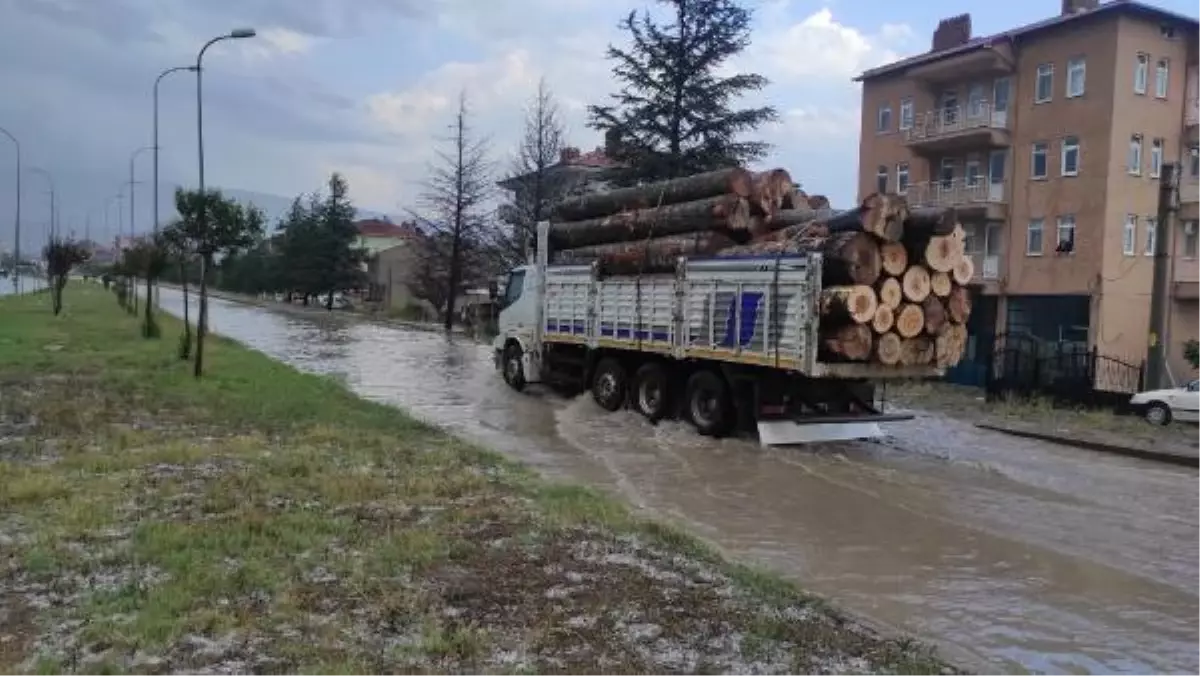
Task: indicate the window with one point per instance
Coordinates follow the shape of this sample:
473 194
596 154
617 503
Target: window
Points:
947 173
906 113
1162 75
1141 73
1033 238
1191 240
1045 83
1167 32
881 179
1070 156
1156 148
1133 162
1151 235
1066 235
1076 74
516 284
976 95
973 172
1037 165
1194 160
1129 235
884 121
902 177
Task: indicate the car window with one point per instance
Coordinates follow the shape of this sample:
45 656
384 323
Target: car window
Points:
516 284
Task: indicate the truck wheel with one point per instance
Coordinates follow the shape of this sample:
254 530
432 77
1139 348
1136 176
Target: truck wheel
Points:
709 404
514 371
609 384
651 392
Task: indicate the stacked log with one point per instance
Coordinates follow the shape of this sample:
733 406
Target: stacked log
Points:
893 281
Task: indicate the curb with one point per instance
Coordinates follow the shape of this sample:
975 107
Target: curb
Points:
1127 451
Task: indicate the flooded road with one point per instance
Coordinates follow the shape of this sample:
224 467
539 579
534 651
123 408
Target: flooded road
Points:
1013 554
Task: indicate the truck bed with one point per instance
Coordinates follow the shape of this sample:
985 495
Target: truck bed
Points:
754 310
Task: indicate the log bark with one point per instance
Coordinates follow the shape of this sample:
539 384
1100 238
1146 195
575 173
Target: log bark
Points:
852 342
721 213
915 283
958 305
940 284
910 320
949 346
849 257
935 314
655 252
735 181
885 319
964 270
883 215
890 293
848 303
895 258
916 351
888 349
769 190
930 221
942 253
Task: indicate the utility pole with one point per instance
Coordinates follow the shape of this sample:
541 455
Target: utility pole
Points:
1164 225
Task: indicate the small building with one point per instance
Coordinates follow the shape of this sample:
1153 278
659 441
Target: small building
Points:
376 235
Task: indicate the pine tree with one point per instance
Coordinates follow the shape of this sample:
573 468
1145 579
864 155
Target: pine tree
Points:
674 114
342 258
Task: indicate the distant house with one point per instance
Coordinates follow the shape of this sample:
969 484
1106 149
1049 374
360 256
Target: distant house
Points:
377 235
392 273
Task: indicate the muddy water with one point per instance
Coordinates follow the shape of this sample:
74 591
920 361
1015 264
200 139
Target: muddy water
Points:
1012 554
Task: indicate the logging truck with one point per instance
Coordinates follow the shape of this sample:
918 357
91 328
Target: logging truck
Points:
727 343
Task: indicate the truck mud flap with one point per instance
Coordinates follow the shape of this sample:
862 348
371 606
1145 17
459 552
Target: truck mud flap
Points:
785 431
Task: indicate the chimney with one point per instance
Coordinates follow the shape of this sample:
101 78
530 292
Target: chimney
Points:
568 155
955 31
1078 6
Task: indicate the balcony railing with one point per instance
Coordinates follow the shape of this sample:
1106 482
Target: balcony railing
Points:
987 266
956 119
1191 111
955 193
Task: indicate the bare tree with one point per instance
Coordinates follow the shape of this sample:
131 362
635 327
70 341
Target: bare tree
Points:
536 188
454 205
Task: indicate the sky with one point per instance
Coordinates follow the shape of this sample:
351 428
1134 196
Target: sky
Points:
368 88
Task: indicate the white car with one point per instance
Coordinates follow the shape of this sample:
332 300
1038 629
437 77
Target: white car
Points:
1160 407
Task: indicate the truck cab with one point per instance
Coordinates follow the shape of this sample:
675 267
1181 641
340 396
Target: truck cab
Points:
517 325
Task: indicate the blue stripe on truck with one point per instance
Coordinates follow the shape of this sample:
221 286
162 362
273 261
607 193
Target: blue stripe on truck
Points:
749 318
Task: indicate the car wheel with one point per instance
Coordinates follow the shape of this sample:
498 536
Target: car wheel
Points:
709 404
514 369
1158 413
651 391
609 384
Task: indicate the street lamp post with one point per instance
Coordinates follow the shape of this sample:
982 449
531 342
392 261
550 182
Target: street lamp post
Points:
133 157
236 34
17 235
53 199
157 80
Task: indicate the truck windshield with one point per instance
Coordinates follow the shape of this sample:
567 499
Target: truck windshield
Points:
512 291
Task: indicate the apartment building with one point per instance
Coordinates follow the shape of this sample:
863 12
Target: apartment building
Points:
1049 140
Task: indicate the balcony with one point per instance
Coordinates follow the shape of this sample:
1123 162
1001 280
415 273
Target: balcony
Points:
957 129
1191 119
974 200
980 63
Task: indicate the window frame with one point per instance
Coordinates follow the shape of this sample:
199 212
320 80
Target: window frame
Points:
883 118
1079 63
1033 154
1194 238
906 103
1135 145
1040 229
881 178
1141 71
1151 240
1129 235
1156 157
902 170
1047 70
1069 142
1162 78
1065 223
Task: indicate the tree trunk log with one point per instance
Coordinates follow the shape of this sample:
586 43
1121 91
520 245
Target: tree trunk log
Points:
895 258
950 344
916 351
942 253
883 215
940 284
915 283
735 180
888 349
964 270
958 305
884 320
849 257
721 213
910 320
769 190
655 251
848 303
852 342
935 314
890 293
930 221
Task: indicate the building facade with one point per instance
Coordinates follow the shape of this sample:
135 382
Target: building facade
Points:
1049 140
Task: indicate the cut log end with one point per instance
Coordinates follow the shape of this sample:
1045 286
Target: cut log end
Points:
890 293
854 303
915 284
964 270
851 342
958 305
935 314
916 351
884 320
910 320
940 284
942 253
888 349
894 258
853 256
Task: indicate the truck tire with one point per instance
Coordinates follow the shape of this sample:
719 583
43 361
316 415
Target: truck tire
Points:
513 369
652 391
609 384
709 404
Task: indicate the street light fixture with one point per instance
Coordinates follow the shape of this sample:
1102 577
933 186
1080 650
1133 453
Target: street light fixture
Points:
17 236
157 80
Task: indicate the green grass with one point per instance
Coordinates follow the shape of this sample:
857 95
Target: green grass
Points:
260 519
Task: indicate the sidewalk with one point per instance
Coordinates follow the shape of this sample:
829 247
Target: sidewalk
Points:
1175 455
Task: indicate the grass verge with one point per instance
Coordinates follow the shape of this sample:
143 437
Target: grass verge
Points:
263 520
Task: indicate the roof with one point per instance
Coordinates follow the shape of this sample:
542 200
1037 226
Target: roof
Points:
1113 7
596 160
374 227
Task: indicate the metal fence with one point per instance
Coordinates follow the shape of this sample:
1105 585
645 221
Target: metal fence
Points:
1068 374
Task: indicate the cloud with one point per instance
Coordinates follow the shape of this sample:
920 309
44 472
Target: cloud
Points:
369 88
